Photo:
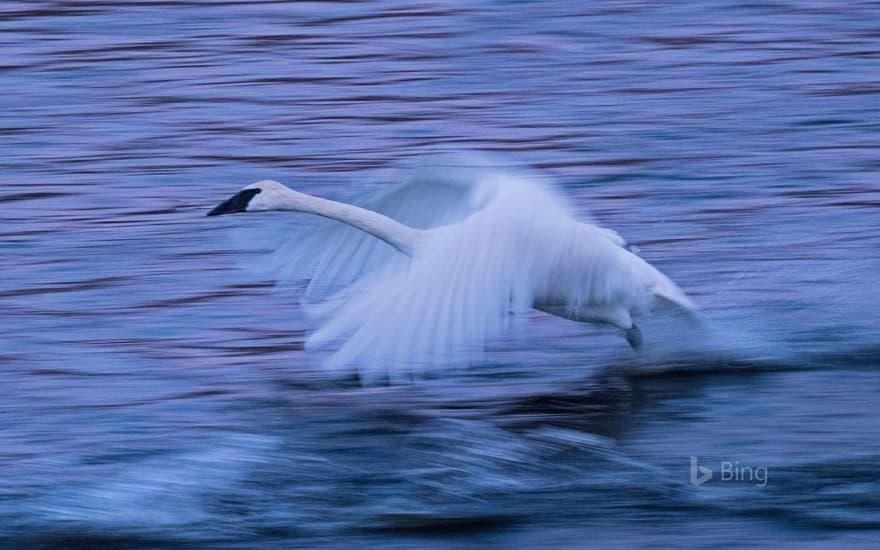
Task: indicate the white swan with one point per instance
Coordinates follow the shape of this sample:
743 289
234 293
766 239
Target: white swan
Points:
466 252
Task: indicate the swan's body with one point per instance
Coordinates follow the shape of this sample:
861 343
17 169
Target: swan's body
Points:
466 254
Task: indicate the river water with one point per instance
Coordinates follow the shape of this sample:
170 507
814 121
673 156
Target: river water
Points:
156 394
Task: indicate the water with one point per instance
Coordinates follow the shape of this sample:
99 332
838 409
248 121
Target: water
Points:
157 395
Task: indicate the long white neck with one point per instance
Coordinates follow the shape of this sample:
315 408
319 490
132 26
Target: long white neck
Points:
400 236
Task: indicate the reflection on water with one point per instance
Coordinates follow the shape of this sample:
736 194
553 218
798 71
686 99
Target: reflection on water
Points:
156 394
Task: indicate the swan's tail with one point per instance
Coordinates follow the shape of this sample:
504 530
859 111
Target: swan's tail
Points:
674 298
667 295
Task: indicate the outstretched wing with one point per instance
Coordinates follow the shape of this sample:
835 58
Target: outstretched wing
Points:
333 256
462 287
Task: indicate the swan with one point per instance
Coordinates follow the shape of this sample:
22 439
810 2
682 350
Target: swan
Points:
423 275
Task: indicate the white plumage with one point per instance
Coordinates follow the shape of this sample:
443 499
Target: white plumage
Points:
453 257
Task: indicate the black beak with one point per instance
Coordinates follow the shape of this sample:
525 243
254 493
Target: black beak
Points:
238 203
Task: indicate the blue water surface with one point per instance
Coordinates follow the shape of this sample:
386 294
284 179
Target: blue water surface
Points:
156 394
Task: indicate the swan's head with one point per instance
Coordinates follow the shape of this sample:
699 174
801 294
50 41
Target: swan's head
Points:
256 197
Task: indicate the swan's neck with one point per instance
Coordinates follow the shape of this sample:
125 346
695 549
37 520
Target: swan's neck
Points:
398 235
